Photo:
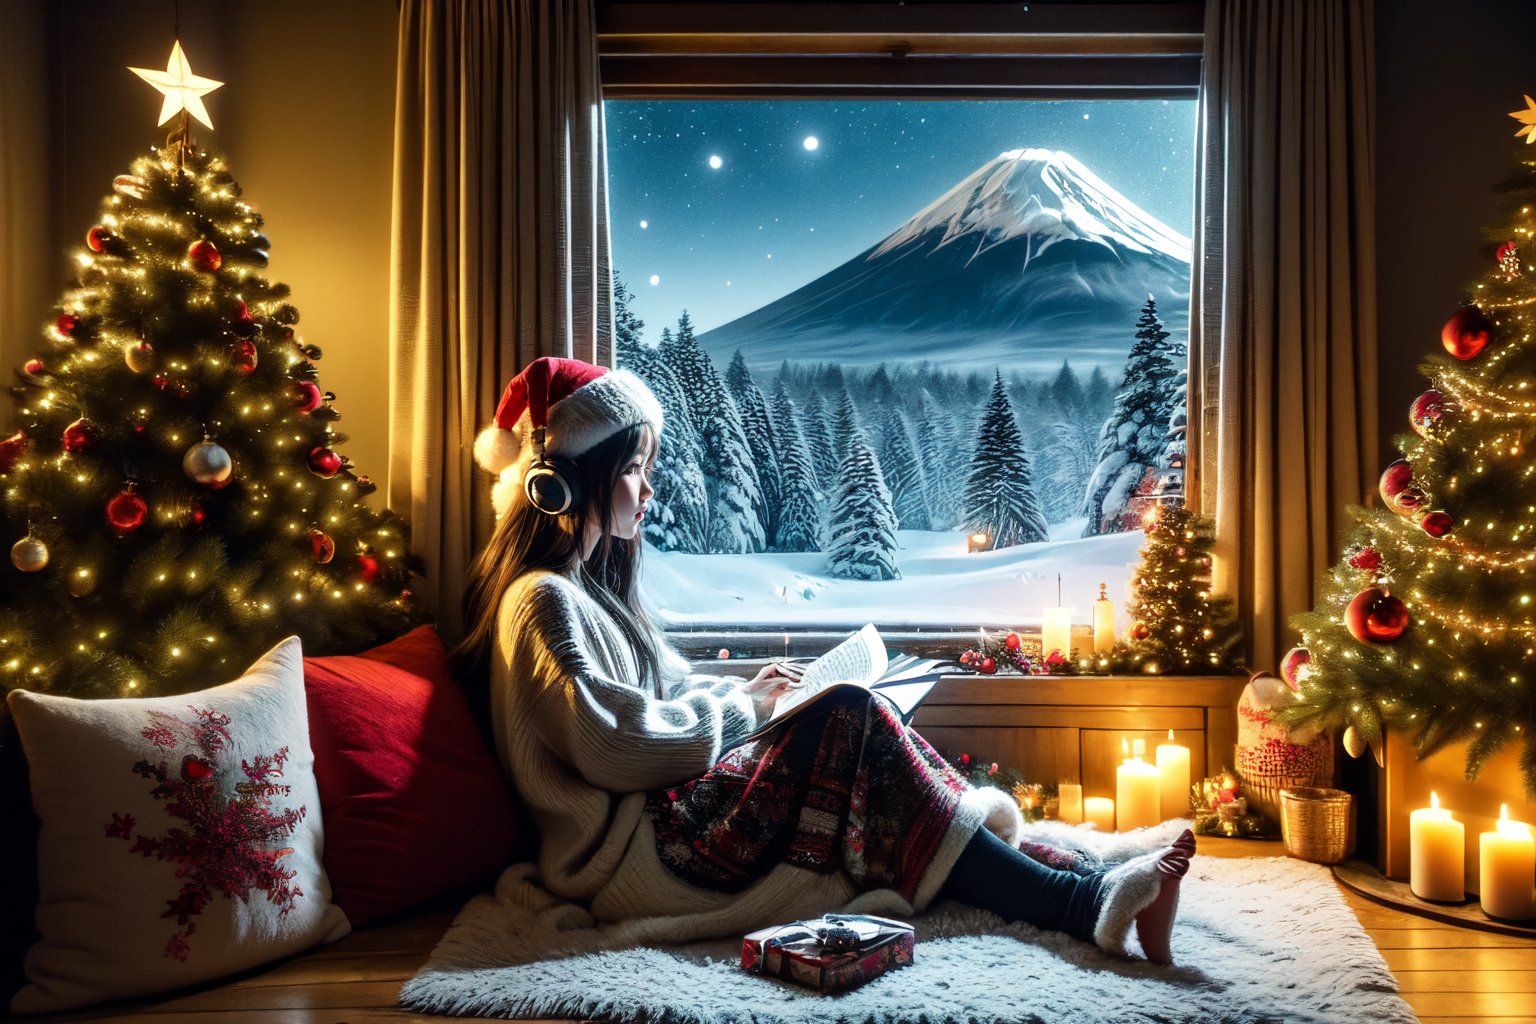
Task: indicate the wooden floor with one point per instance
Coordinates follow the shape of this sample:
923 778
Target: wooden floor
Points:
1447 974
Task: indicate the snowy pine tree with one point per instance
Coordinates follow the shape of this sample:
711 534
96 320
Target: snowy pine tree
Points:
904 474
939 450
862 524
730 475
678 518
999 495
845 426
818 439
800 500
1098 398
1135 436
757 425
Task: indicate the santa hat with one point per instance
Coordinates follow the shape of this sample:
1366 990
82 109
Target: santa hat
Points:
578 405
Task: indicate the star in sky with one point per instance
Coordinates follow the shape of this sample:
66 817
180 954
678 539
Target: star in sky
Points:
183 90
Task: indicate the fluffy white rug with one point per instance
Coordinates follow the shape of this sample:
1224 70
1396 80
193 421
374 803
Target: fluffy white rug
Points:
1257 940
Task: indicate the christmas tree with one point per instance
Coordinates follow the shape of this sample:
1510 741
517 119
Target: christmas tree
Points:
1178 626
861 528
1426 624
175 491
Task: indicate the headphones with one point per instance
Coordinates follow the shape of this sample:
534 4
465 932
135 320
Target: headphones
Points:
551 483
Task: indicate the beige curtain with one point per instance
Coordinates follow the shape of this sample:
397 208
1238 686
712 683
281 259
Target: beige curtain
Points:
500 246
1285 290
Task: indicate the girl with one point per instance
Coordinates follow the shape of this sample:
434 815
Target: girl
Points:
648 803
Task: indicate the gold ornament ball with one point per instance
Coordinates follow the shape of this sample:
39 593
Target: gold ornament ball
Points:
29 554
1354 744
140 357
81 583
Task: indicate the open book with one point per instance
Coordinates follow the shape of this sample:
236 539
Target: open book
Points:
861 660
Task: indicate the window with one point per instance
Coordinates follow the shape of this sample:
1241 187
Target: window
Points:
923 357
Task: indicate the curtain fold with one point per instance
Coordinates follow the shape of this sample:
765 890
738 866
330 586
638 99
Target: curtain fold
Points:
500 247
1285 298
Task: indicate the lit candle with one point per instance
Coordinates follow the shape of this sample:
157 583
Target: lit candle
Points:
1506 869
1103 622
1138 792
1056 627
1069 802
1173 772
1100 812
1436 853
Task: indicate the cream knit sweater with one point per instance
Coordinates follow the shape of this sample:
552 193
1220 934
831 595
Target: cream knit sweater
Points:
583 742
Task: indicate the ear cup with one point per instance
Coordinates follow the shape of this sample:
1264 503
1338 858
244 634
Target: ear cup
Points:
551 486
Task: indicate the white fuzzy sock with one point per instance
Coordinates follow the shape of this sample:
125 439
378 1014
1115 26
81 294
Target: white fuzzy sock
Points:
1129 889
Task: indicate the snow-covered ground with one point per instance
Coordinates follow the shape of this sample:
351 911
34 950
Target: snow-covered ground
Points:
941 584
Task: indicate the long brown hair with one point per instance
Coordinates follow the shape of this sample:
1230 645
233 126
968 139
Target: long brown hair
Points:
526 540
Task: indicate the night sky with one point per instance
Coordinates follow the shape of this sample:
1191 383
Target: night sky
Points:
722 206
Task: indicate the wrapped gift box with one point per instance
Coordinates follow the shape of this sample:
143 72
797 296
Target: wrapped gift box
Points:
833 953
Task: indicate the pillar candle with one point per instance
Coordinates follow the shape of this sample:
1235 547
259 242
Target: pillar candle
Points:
1138 793
1100 812
1069 803
1103 622
1173 771
1506 869
1436 853
1056 631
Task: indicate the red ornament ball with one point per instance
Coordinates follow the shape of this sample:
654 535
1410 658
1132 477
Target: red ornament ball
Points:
245 356
126 511
323 462
307 396
725 654
204 256
1368 559
1437 524
966 657
80 436
987 666
34 367
65 324
1296 659
1425 412
321 546
368 568
11 451
1394 480
1140 631
98 238
1466 333
1376 617
1013 641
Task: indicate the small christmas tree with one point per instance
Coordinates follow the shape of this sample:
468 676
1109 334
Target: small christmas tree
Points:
999 496
1426 624
175 495
861 529
1177 624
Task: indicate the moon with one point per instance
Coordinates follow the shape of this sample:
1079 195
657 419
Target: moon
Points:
655 279
811 143
716 162
644 224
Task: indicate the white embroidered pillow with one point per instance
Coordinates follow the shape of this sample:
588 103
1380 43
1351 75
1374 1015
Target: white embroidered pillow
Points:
180 838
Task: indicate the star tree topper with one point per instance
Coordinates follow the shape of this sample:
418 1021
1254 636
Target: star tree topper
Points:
1526 117
183 90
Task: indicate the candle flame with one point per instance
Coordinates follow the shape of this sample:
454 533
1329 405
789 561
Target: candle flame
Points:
1170 735
1125 746
1503 812
1434 800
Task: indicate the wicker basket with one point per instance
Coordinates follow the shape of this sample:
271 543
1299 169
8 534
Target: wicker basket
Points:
1317 824
1263 791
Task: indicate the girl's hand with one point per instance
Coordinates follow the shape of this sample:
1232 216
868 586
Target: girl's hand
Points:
776 675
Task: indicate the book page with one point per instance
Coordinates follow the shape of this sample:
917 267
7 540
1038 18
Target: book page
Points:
860 659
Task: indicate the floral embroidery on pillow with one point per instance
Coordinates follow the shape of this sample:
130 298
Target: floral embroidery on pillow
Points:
223 849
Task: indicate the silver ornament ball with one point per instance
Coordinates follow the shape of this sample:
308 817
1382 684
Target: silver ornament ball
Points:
29 554
208 464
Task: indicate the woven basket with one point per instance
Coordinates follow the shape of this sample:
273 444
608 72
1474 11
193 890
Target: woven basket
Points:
1263 791
1317 824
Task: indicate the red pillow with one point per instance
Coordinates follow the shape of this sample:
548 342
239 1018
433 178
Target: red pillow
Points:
414 804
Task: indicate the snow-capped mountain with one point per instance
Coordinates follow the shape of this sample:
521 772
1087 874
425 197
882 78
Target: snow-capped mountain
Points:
1031 259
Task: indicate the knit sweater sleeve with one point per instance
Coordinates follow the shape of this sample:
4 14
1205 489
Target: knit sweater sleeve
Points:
592 712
